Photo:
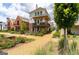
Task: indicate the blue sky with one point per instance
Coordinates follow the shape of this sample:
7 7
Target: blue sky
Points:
14 9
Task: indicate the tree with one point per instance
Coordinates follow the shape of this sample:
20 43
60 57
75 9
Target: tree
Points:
65 15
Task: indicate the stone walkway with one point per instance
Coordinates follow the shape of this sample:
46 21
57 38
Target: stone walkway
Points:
28 48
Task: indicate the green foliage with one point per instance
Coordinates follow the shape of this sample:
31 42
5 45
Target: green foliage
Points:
22 31
8 44
41 52
61 46
39 34
46 50
52 29
73 50
1 36
20 40
29 40
65 14
56 34
23 27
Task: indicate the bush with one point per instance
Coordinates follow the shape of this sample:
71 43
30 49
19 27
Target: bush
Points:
39 34
20 40
8 44
1 36
22 31
52 29
73 48
61 46
56 34
46 50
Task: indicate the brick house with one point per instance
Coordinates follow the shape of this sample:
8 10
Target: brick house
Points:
18 23
38 21
10 23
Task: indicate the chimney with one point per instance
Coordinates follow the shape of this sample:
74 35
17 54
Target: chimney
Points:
36 6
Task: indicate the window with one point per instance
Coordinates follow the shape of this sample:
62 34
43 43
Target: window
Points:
40 12
17 22
37 21
35 13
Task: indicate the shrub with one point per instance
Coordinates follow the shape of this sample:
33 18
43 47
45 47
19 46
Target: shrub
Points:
46 50
39 33
22 31
52 29
56 34
73 48
20 40
1 36
8 44
61 46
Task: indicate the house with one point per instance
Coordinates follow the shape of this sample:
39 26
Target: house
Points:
21 23
10 23
39 20
3 26
75 28
17 24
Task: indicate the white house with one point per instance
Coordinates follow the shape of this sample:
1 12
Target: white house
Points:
40 17
3 26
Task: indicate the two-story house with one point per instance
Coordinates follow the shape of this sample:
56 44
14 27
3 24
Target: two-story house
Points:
39 18
10 23
20 23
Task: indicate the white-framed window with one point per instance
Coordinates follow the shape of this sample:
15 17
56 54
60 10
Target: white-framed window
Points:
40 12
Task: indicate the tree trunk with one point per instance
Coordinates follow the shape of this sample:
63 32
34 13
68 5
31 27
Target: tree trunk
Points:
65 41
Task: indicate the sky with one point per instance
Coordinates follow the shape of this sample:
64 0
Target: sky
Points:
12 10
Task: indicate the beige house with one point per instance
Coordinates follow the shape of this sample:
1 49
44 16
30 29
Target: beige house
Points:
75 29
39 20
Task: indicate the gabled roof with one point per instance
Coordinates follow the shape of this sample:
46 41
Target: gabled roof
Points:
41 9
38 9
23 18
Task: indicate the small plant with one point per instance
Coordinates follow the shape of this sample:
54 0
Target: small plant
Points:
56 34
22 31
41 52
73 48
8 44
46 50
61 46
20 40
1 36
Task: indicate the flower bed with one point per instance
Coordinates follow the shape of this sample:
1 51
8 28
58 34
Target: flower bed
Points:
11 42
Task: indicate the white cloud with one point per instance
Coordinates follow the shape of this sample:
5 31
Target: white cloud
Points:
21 9
3 19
